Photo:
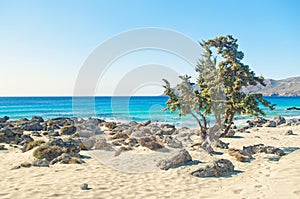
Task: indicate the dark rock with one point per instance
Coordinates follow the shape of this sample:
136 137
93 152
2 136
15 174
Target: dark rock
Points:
270 124
258 148
293 108
141 132
217 168
33 126
4 119
150 143
37 119
279 120
168 130
53 133
180 157
36 133
41 163
16 167
2 147
84 186
289 132
145 123
66 159
230 133
222 145
68 130
48 152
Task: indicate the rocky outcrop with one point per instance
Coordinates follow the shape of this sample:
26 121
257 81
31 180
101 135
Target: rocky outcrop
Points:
219 167
180 157
150 142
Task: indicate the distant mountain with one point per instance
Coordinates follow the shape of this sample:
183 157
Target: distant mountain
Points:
284 87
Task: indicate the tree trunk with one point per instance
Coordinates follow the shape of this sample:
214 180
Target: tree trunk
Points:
229 123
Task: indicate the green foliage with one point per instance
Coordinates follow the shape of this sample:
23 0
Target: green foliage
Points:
33 144
219 88
47 152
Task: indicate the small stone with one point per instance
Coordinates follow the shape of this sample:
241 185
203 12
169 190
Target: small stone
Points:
26 164
41 163
16 167
289 132
2 147
84 186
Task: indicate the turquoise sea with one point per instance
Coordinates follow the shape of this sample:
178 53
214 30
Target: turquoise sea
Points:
119 108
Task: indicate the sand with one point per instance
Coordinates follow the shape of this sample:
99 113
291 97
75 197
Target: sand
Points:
261 178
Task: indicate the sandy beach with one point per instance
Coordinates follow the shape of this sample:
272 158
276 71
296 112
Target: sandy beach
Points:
262 177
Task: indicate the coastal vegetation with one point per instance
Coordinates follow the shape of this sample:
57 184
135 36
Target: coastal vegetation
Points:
222 76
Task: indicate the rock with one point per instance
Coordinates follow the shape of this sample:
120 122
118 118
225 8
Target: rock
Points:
168 130
37 119
131 142
86 143
141 132
222 145
85 133
41 163
26 164
145 123
110 125
180 157
273 150
239 155
53 133
68 145
68 130
289 132
230 133
150 143
26 138
33 126
217 168
84 186
31 145
270 124
171 141
4 119
48 152
279 120
101 144
119 136
132 123
16 167
121 149
66 159
36 133
293 108
2 147
258 148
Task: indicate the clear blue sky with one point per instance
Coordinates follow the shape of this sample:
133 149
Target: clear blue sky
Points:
44 43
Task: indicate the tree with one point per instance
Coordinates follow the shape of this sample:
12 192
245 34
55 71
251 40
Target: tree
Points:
219 89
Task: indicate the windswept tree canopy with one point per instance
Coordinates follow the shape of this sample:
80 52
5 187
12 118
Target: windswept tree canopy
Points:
219 87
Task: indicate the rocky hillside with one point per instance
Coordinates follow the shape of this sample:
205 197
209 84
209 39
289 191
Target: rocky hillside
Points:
284 87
